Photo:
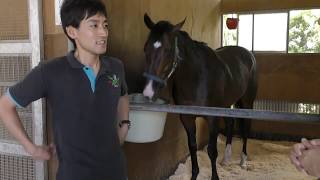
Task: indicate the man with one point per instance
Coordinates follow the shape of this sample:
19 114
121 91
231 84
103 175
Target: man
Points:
306 156
87 93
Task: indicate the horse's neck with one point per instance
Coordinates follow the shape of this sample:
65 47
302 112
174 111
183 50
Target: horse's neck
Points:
185 46
191 50
197 59
188 66
188 52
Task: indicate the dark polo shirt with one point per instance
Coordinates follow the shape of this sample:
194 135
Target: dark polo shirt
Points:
84 111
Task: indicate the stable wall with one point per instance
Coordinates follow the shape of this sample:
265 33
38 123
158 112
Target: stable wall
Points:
292 78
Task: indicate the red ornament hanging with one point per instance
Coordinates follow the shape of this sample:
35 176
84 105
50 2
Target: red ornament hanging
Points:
232 23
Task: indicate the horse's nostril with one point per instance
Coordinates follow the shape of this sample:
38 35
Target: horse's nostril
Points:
148 93
148 90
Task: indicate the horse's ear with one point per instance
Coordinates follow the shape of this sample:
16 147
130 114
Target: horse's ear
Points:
148 21
178 26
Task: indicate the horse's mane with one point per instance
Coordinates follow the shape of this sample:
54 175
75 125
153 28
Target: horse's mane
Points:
165 26
186 36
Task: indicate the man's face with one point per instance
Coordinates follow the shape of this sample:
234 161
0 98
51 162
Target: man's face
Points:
92 34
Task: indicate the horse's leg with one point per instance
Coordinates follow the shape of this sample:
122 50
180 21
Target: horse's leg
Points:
189 124
229 123
212 145
245 127
246 102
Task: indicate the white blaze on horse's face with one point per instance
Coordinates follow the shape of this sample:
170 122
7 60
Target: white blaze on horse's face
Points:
148 91
157 44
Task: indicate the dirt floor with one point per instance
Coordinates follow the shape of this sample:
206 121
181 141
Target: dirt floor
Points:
267 160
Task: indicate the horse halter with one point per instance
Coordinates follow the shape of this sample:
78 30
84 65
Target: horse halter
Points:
177 59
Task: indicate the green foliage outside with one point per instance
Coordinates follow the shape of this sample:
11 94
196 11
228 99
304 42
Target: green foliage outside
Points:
304 32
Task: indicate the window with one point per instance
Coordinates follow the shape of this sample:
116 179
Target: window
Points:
229 37
245 31
304 31
271 32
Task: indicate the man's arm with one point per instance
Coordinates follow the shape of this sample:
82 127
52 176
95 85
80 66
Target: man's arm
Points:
123 114
11 120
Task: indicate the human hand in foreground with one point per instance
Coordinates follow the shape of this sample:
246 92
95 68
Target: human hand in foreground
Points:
310 159
305 156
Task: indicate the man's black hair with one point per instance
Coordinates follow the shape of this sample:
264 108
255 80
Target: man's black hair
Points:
74 11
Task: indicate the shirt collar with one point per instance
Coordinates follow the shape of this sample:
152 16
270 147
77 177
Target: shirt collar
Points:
74 63
104 68
105 65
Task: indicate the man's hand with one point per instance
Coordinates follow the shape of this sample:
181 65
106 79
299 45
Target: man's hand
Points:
11 120
297 151
315 142
42 152
310 161
304 156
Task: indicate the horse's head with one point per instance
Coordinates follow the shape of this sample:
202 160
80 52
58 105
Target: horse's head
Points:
162 55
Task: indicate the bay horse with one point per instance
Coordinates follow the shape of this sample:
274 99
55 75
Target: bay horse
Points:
202 77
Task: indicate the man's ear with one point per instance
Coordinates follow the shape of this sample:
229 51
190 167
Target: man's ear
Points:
71 31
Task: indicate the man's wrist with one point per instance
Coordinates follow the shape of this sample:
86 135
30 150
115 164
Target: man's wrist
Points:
122 122
30 148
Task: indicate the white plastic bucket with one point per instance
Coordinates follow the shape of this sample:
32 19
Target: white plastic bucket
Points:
146 126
